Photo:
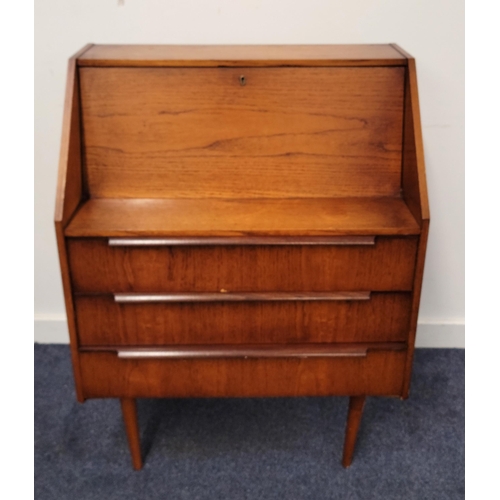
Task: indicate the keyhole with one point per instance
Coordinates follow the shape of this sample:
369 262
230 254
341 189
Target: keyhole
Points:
242 80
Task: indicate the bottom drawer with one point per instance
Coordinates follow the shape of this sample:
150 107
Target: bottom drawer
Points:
378 372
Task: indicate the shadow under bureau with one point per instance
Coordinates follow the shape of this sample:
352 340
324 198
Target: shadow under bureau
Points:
241 221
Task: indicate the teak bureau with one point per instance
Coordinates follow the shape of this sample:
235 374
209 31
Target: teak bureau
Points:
242 221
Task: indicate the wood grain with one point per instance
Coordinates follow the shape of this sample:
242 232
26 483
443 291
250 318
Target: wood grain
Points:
386 266
417 290
102 321
241 55
243 217
70 310
106 375
129 411
419 147
185 133
69 179
415 193
413 180
356 405
279 178
68 195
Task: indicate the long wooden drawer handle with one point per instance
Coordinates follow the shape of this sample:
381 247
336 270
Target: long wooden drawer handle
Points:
245 351
238 297
243 240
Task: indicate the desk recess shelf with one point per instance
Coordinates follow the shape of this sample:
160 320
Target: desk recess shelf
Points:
240 217
241 221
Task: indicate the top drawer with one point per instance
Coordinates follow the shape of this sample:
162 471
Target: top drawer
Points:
98 267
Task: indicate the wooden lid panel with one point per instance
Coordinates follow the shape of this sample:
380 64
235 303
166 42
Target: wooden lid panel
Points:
244 133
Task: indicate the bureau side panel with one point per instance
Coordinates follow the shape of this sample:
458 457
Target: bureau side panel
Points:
413 180
417 289
414 187
379 373
69 180
242 132
68 197
70 309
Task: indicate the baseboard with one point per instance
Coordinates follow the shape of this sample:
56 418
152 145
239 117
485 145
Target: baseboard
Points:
442 334
52 329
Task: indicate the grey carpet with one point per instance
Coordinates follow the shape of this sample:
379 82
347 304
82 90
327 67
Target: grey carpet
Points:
252 448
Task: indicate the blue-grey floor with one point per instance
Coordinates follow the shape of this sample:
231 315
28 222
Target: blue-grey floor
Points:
252 448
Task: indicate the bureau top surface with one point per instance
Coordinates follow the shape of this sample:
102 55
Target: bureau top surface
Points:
242 55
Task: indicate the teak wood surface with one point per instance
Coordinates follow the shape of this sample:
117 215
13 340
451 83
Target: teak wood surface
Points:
242 55
187 133
107 375
68 196
242 221
185 217
356 405
383 317
97 267
129 410
414 189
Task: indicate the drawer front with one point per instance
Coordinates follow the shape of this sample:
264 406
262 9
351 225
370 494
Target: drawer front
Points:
104 374
376 317
98 267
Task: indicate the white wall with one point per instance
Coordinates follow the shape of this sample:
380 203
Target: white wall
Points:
431 30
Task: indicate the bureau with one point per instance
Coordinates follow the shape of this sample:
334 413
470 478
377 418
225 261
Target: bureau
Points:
241 221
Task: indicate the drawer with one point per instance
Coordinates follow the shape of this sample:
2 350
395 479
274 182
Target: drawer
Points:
171 266
377 372
256 318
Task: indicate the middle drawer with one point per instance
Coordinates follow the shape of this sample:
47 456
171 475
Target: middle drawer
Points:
358 317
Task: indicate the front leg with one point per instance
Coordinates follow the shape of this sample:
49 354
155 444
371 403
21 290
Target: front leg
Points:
356 404
129 411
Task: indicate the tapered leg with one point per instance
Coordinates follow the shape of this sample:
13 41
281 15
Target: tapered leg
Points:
129 410
356 404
